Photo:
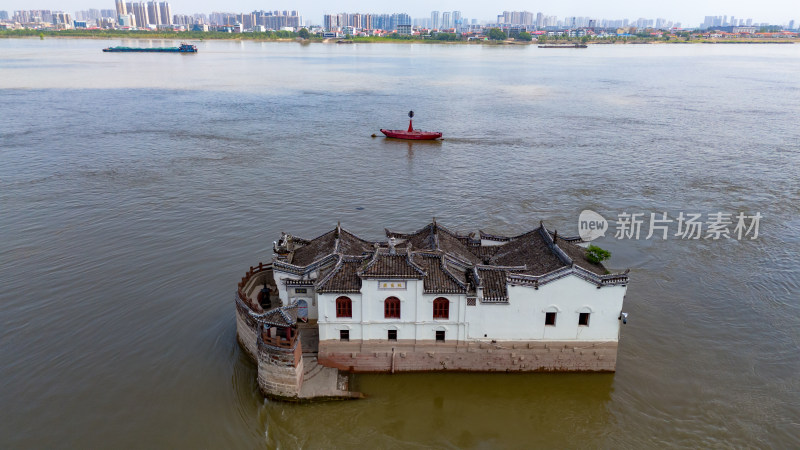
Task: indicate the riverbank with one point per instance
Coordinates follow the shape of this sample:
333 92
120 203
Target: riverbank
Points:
288 36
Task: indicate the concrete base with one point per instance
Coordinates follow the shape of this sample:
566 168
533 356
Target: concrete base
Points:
324 383
507 356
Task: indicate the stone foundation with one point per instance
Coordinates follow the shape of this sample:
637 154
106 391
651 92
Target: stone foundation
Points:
426 356
280 371
246 330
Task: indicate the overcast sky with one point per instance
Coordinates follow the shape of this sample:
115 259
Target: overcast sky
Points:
688 12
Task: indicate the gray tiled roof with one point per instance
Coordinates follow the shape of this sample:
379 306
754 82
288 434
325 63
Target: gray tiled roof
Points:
529 250
343 277
386 264
447 261
316 248
284 316
439 279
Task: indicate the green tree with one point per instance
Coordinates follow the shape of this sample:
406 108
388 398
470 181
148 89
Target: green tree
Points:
496 34
542 38
596 254
584 39
303 33
445 37
524 36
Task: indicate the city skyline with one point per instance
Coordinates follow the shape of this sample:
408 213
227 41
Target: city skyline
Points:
688 13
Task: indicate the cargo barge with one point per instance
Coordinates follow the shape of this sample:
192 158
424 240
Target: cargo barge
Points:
563 46
184 48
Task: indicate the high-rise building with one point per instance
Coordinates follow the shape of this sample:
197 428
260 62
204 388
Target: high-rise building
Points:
62 18
275 20
517 18
121 9
446 22
435 20
166 13
457 20
153 13
139 11
3 15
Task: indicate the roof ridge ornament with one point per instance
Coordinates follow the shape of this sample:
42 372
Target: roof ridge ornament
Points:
392 242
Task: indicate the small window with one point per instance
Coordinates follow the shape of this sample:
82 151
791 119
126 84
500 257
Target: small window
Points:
472 301
550 318
344 307
392 335
391 308
344 335
440 336
583 319
441 308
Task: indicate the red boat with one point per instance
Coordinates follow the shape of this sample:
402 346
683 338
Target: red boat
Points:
411 133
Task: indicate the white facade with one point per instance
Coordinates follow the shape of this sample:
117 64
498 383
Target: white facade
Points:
416 320
521 318
538 287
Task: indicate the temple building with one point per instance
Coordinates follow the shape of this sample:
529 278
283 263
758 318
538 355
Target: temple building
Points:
435 299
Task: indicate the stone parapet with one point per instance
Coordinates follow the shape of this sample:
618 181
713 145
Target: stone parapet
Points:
246 329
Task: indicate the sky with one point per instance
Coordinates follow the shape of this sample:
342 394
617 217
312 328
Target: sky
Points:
688 12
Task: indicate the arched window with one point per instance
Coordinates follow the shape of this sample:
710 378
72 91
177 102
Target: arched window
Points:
344 307
441 308
391 308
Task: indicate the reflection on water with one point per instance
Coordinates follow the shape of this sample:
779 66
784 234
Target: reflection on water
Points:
395 145
136 189
453 410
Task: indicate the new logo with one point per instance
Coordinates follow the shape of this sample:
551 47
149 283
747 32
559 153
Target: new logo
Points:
591 225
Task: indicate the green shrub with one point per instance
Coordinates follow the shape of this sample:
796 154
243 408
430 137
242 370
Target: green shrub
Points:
596 254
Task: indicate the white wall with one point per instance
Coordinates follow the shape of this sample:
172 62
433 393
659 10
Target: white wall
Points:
416 314
329 324
523 317
287 293
282 291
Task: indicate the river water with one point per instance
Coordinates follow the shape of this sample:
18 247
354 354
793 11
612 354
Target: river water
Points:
136 189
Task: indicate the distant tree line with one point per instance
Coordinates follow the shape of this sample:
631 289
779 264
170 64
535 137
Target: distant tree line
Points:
161 34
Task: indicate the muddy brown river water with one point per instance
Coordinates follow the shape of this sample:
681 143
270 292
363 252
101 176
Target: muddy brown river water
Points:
136 189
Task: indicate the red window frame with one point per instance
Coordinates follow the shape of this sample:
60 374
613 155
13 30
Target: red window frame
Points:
391 308
441 308
344 307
